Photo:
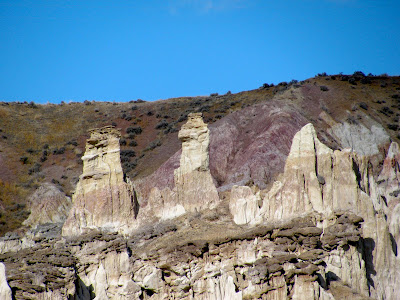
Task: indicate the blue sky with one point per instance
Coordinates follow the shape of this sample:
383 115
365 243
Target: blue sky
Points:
52 51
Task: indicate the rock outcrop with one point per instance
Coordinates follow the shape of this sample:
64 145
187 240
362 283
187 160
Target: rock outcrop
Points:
194 185
47 205
194 188
5 291
326 229
244 205
193 260
318 179
103 197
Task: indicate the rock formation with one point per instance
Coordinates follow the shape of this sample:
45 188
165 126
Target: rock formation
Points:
194 189
318 179
244 205
5 291
326 229
103 198
194 185
47 205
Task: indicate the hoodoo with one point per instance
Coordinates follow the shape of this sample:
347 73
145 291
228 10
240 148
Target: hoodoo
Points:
103 199
193 181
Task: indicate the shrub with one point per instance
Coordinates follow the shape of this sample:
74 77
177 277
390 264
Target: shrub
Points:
352 81
73 143
324 88
35 169
134 107
30 150
32 105
135 130
150 113
133 143
129 166
386 111
154 144
182 118
213 94
170 129
204 108
58 151
364 105
393 126
366 80
122 142
128 153
23 159
114 124
358 73
162 124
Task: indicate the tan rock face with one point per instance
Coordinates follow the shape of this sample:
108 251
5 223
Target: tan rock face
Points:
102 197
318 179
195 138
194 185
48 205
5 291
194 188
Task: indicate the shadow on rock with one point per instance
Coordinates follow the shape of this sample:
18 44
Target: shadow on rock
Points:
83 292
366 248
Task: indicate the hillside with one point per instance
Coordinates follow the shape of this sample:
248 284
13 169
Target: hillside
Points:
44 143
283 192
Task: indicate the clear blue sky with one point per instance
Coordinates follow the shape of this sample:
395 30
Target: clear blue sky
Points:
123 50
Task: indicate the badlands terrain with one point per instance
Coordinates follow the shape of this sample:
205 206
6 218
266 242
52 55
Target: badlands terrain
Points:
283 192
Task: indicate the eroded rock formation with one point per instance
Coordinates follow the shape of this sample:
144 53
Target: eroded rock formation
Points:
326 229
47 205
194 189
5 291
194 185
318 179
103 198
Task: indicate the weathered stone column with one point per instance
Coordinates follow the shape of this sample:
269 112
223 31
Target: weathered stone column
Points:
103 199
193 181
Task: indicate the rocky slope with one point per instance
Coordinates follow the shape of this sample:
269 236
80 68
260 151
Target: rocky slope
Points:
294 193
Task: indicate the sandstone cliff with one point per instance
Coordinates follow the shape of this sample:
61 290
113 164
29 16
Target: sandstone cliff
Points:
103 197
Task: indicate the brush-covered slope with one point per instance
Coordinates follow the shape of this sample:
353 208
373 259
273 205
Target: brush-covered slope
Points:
44 143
